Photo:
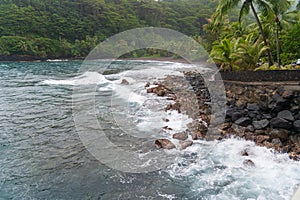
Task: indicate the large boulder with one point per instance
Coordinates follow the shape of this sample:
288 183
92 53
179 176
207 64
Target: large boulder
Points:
185 144
261 124
286 114
280 123
279 133
243 121
180 136
164 143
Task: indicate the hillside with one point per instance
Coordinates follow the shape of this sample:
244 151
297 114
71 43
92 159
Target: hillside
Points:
71 28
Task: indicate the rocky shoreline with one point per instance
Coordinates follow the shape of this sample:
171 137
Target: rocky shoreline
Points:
268 114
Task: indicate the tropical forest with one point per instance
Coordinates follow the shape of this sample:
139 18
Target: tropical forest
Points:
239 35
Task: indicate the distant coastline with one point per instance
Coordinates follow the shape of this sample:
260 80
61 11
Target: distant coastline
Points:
26 58
166 59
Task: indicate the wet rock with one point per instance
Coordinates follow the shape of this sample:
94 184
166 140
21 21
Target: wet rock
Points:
241 103
276 141
287 94
150 90
185 144
294 156
164 143
166 120
280 123
198 135
225 126
261 124
297 116
266 116
267 144
250 128
249 163
194 136
296 125
245 152
281 102
175 106
279 133
197 126
244 121
180 136
236 115
261 138
161 93
253 114
124 82
252 106
167 128
286 114
237 128
259 132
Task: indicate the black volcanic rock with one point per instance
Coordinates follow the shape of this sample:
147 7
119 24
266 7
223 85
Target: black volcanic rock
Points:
286 114
236 115
296 125
252 106
261 124
244 121
280 123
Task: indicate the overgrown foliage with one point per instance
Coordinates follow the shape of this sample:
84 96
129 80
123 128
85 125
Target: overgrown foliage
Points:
275 34
64 28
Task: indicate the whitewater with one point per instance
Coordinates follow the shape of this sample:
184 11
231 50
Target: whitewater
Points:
42 156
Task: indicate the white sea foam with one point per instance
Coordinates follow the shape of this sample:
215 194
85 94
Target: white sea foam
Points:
85 79
274 176
215 170
56 60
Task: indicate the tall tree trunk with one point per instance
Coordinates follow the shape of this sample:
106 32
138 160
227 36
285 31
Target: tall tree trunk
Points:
277 42
270 59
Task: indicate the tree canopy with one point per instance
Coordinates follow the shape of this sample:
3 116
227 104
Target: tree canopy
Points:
69 28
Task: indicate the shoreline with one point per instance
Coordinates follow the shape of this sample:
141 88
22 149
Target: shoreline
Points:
163 59
26 58
255 113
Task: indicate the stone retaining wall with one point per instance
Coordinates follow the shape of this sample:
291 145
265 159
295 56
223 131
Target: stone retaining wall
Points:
268 114
255 76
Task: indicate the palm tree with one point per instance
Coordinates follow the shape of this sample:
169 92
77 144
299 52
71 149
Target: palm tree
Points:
250 50
224 54
279 9
263 6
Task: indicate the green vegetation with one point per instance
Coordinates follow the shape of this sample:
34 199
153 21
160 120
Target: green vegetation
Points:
65 28
239 45
236 33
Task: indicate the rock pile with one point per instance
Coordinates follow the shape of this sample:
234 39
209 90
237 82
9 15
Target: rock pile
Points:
269 114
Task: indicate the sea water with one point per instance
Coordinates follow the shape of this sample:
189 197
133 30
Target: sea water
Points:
43 157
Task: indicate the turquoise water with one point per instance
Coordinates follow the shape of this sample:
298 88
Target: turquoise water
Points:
42 156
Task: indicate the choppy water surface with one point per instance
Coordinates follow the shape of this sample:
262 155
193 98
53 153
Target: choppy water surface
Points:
42 156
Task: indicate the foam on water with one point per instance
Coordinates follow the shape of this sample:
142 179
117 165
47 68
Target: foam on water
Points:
222 174
87 78
57 60
212 170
